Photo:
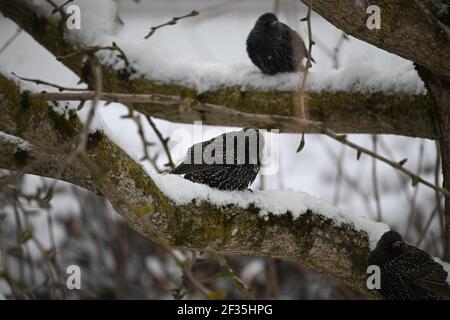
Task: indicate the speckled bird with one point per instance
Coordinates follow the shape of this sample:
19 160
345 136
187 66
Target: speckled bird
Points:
274 47
408 273
230 161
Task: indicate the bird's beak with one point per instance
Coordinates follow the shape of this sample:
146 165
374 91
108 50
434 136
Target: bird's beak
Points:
397 244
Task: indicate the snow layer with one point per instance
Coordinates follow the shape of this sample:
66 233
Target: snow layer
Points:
182 191
361 69
22 144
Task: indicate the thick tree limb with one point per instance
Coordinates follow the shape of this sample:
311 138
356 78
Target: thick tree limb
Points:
14 157
342 112
405 30
313 240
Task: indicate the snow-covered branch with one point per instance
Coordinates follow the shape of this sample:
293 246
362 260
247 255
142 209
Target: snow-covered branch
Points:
422 41
284 224
342 111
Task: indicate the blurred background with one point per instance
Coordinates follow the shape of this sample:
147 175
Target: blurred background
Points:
45 227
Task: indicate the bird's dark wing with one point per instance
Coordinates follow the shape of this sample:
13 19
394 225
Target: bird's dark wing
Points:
189 164
298 46
424 272
195 156
184 168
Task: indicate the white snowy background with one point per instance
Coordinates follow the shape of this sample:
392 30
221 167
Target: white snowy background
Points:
208 51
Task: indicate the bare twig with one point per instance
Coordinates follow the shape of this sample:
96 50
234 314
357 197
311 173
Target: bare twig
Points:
397 165
84 134
272 278
38 81
10 40
299 101
136 118
164 142
237 282
339 174
59 9
172 22
375 180
337 49
94 49
427 226
354 184
413 210
440 209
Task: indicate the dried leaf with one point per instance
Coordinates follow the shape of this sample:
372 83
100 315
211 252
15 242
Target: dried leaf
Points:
302 143
358 155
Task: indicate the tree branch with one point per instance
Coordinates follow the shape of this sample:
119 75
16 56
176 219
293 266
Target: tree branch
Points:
410 34
343 112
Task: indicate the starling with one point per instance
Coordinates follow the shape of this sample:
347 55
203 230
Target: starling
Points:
274 47
230 161
408 273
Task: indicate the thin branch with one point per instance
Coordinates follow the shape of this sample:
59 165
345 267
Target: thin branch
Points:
94 49
353 183
376 190
308 63
337 49
136 118
172 22
228 272
59 9
174 102
84 134
427 226
164 142
413 203
98 77
39 82
272 278
10 40
440 209
397 165
299 101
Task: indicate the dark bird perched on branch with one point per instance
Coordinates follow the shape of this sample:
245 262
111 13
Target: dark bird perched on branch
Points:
274 47
408 273
230 161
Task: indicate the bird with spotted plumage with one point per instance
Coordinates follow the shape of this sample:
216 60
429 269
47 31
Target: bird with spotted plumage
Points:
274 47
230 161
408 273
